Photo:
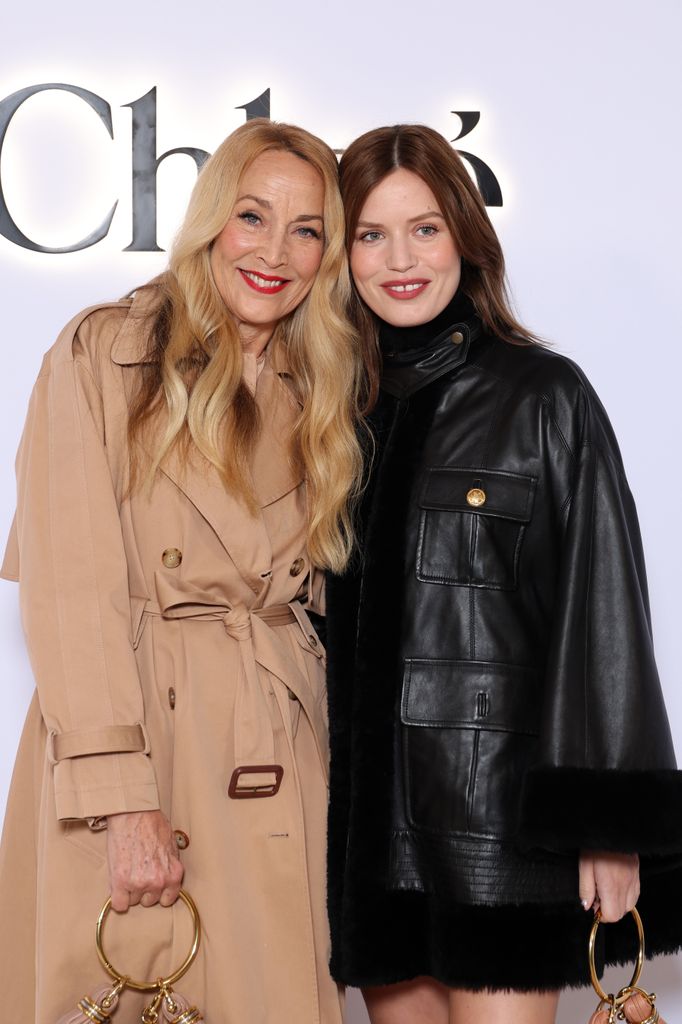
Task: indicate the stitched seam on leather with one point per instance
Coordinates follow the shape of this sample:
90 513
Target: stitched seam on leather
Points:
471 788
420 543
473 538
588 617
493 421
517 556
406 691
472 623
569 497
546 401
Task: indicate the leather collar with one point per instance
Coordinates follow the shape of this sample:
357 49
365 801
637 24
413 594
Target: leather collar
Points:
404 373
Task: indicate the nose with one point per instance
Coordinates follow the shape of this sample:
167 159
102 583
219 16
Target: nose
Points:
273 249
400 255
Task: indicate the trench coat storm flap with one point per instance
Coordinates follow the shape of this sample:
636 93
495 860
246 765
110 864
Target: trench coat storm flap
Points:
170 642
494 702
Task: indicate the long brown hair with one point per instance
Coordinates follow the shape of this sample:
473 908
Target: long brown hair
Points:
417 148
193 384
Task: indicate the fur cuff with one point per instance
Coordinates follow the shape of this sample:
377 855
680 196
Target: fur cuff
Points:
568 809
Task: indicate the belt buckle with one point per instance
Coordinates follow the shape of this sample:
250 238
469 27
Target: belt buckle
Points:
253 793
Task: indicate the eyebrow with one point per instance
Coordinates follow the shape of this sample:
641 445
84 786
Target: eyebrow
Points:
256 199
267 205
412 220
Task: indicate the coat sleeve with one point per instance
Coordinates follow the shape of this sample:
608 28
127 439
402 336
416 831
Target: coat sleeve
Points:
606 775
66 548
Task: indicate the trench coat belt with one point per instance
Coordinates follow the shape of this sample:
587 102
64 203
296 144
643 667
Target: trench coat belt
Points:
254 629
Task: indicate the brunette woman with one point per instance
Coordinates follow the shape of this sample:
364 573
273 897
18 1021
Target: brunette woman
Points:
183 477
501 757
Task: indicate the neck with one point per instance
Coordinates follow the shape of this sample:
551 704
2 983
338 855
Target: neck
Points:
255 338
394 340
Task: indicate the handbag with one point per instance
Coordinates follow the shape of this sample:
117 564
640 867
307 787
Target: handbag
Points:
166 1006
632 1004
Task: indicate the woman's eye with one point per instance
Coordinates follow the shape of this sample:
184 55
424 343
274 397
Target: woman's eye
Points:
427 230
308 233
369 236
250 217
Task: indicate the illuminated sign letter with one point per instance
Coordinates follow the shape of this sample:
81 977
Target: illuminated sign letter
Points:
145 166
8 108
488 184
260 107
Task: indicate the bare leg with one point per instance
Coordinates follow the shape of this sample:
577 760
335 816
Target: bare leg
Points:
422 1000
503 1007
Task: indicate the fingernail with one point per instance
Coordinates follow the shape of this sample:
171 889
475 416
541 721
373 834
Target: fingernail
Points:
586 904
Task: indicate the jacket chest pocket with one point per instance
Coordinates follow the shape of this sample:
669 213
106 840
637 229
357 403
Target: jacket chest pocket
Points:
471 526
469 735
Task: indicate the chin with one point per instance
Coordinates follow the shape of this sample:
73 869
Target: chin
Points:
406 317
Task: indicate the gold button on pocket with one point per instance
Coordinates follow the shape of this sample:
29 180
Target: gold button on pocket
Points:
457 338
476 497
171 558
296 567
181 839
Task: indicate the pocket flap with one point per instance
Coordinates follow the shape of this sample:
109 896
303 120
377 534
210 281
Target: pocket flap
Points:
506 495
471 695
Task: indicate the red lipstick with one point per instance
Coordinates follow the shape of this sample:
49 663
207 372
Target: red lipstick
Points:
256 280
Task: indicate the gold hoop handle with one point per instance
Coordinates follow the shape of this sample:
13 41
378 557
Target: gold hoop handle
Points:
149 986
620 999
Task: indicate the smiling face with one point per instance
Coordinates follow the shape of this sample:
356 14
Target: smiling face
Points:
404 260
265 259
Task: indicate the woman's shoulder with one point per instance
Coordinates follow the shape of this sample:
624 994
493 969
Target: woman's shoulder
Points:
559 386
116 331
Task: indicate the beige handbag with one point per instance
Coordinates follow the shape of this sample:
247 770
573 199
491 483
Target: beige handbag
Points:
632 1004
166 1006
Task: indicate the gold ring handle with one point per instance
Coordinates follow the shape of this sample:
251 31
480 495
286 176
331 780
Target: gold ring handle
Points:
638 966
149 986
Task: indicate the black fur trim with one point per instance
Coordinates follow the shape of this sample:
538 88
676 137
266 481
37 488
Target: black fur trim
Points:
395 936
567 809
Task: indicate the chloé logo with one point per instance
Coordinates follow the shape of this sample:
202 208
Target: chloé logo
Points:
146 162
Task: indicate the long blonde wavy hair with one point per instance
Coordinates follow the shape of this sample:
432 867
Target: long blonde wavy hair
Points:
194 372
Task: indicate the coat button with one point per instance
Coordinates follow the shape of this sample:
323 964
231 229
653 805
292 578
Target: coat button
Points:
181 839
297 567
312 640
171 558
171 697
457 338
292 695
476 497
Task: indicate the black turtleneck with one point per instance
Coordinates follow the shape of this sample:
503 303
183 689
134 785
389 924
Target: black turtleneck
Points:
402 341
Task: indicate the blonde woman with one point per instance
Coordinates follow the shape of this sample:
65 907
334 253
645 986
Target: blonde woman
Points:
184 475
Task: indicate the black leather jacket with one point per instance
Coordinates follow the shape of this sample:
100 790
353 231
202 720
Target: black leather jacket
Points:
494 701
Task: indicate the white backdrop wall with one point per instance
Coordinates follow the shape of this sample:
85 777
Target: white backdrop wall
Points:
579 121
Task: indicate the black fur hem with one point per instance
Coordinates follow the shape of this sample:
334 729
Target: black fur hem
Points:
390 937
566 809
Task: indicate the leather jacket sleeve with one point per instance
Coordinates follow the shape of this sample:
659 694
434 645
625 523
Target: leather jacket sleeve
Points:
606 774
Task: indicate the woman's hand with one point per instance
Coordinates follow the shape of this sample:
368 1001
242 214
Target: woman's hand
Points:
144 866
609 882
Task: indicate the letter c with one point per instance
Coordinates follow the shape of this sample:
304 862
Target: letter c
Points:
8 108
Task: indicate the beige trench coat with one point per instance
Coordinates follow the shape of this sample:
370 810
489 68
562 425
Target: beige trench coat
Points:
160 668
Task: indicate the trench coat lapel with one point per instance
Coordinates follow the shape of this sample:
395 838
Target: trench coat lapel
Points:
241 532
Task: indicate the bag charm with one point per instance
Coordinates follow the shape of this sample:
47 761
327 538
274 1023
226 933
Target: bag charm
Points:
166 1006
632 1004
97 1008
